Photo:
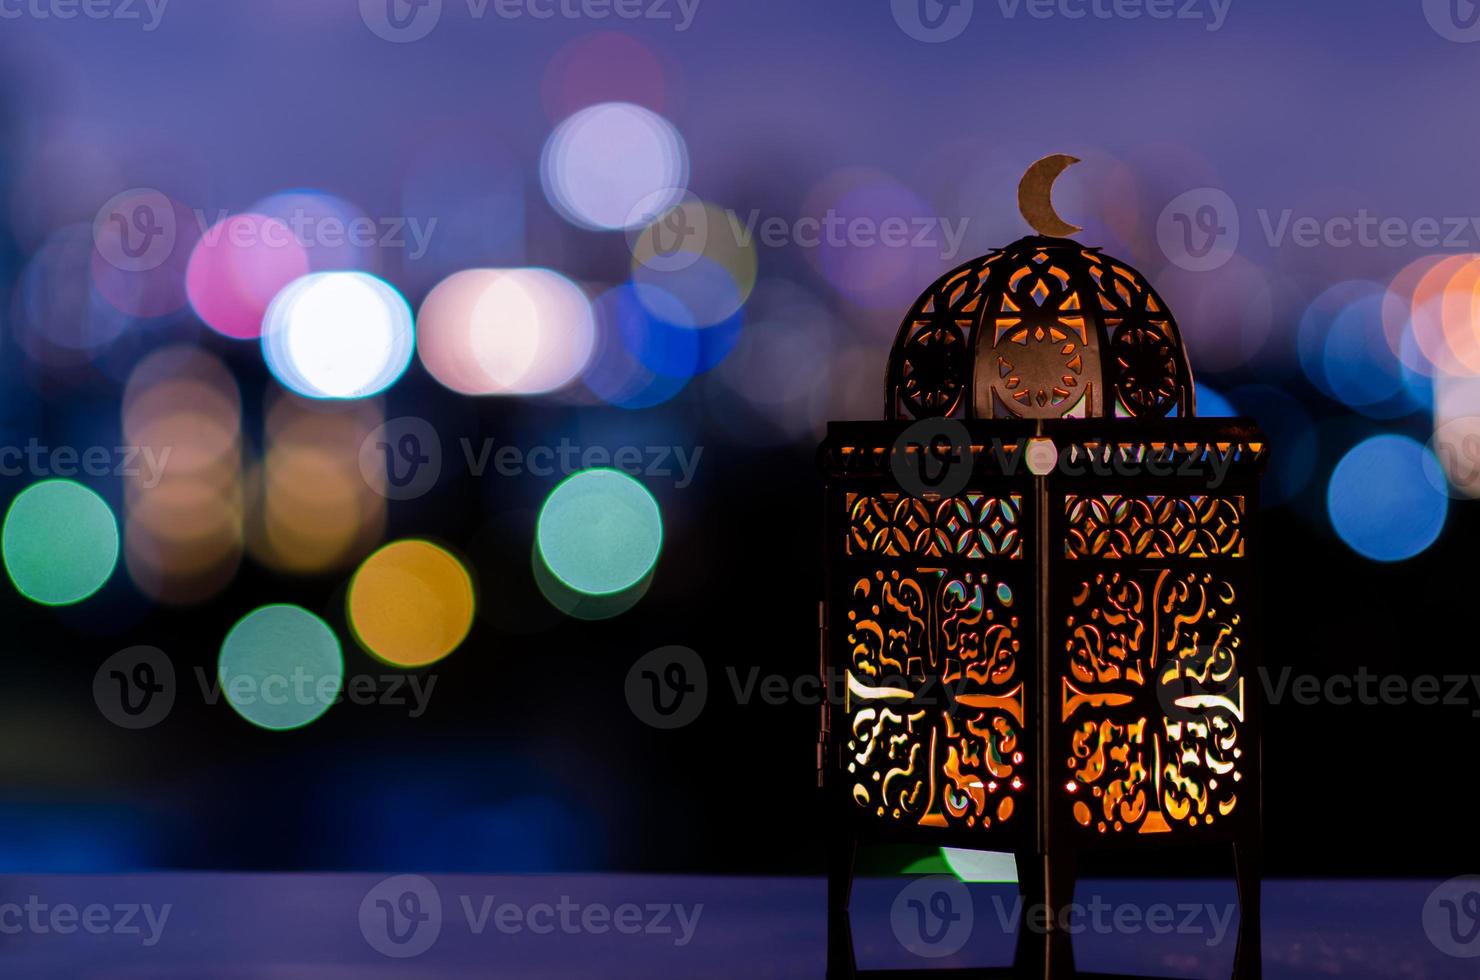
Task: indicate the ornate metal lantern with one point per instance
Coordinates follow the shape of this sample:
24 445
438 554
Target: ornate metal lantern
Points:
1040 594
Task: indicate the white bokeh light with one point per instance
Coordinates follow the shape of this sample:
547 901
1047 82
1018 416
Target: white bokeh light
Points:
614 166
506 331
338 335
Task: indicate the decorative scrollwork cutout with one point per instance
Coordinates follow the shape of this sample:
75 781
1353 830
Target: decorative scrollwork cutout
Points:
1044 328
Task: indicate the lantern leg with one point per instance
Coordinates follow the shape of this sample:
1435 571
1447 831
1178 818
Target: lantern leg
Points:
840 863
1027 954
1044 909
1027 957
1058 886
1248 961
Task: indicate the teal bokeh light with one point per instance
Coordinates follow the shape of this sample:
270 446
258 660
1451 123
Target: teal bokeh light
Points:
600 532
281 667
60 542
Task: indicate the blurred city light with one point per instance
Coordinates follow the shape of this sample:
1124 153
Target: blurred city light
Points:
60 317
1381 501
604 66
60 542
1359 367
600 532
338 335
310 508
703 256
584 605
613 166
280 667
184 504
411 603
336 235
615 373
143 242
506 331
669 340
1210 404
237 267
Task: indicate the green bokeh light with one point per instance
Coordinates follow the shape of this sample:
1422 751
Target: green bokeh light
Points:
60 542
584 605
981 866
281 667
600 532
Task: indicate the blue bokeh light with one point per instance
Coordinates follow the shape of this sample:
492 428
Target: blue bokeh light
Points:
1318 321
1381 502
615 374
670 340
1211 405
1360 368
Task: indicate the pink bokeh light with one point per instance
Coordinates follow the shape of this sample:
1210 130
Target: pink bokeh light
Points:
236 269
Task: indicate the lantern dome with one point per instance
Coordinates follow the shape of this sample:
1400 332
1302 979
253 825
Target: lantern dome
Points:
1044 328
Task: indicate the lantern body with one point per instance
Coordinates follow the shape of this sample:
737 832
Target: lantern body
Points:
1074 648
1040 590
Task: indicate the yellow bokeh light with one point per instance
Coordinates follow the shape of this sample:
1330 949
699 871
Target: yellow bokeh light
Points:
666 252
411 603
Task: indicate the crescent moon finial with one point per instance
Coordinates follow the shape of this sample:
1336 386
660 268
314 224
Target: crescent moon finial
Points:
1035 196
